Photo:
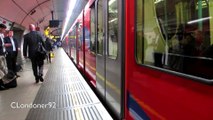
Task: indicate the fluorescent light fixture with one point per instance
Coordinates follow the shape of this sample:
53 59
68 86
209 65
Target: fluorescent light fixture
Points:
113 20
32 12
158 1
199 20
111 2
70 7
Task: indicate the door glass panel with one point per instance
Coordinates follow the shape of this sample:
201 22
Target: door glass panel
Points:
73 44
92 29
100 29
139 32
112 29
80 42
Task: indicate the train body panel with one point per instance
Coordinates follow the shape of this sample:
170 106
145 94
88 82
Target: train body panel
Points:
156 94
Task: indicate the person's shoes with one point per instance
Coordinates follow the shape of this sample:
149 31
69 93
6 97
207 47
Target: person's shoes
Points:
3 88
37 79
17 75
41 79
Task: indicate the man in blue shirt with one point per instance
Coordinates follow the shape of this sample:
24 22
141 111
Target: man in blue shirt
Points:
11 45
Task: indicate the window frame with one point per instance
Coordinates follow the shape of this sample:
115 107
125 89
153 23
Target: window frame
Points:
94 15
96 28
167 71
107 38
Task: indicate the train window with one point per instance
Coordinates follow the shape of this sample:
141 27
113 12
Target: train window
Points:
79 35
177 35
112 29
100 30
69 43
139 31
73 44
92 29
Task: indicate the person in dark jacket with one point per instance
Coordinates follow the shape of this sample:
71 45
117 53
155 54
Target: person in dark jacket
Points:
48 47
2 47
3 65
31 41
11 45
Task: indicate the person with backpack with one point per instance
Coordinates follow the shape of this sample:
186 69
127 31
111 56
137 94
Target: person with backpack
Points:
33 42
49 49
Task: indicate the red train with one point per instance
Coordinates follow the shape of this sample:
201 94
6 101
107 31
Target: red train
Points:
147 59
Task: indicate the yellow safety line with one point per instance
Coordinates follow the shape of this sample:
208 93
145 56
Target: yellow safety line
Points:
78 114
88 65
91 66
74 98
109 84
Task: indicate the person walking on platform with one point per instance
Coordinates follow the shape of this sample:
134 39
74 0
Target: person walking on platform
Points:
32 41
11 45
49 49
3 65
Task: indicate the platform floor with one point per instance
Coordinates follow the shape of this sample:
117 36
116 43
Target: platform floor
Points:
24 93
65 95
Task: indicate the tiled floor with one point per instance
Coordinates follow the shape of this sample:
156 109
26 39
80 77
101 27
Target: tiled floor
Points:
24 93
65 95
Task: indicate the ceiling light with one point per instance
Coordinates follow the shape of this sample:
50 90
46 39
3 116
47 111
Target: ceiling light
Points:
69 13
32 12
199 20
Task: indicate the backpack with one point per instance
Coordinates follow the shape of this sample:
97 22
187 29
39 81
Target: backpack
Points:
9 80
40 51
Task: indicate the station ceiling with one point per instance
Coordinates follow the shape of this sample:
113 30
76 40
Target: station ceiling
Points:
38 12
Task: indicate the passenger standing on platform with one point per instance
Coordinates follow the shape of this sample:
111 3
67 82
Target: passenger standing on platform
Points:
3 64
49 49
31 41
11 45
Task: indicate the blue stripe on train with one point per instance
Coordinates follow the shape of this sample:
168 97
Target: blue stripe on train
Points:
135 110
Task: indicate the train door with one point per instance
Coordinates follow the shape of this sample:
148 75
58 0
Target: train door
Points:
80 44
74 45
109 54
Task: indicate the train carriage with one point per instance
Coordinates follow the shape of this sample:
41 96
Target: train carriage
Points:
147 59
